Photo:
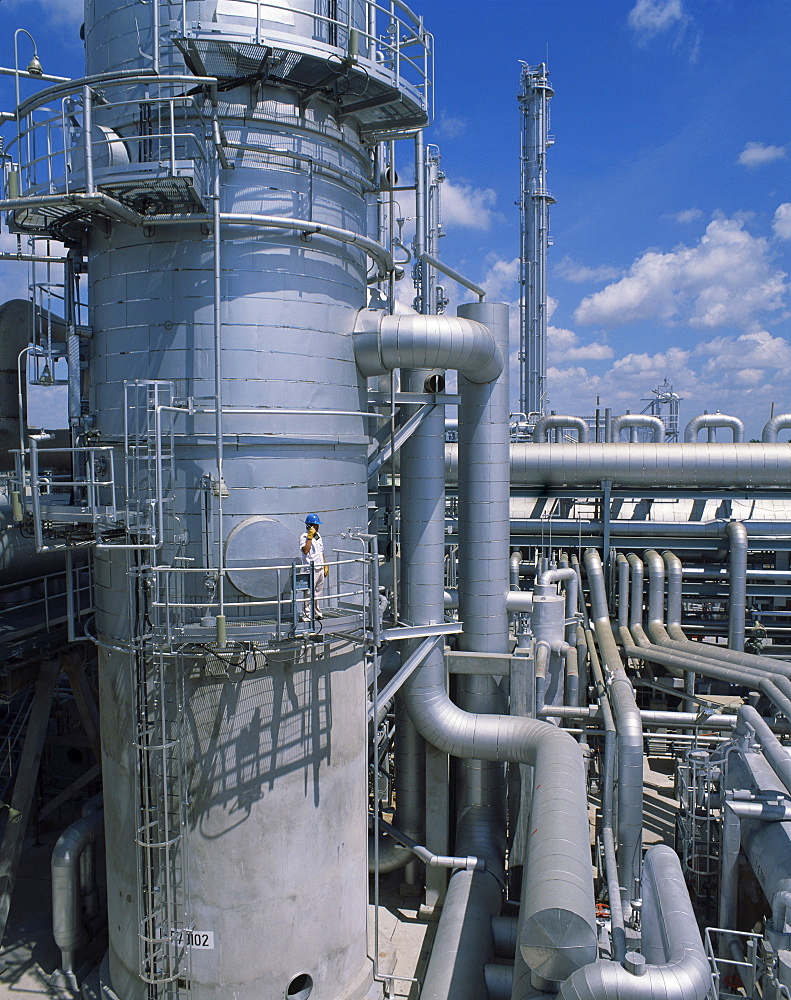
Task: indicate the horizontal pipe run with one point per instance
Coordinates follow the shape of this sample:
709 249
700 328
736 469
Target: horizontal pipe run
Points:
644 465
649 717
370 247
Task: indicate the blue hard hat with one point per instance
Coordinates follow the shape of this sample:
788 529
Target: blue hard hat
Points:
313 519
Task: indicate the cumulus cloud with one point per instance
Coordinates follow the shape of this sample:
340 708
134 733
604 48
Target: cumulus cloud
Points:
728 278
564 346
755 154
465 205
572 271
651 17
757 350
781 224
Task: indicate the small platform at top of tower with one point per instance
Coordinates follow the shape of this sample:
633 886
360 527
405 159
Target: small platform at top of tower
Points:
379 75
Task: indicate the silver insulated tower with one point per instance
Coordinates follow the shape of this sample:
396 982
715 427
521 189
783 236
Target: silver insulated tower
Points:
224 405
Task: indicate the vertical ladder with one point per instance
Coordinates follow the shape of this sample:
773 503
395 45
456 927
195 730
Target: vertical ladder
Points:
161 840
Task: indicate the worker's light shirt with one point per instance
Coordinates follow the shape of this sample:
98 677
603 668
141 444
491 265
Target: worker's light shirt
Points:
316 553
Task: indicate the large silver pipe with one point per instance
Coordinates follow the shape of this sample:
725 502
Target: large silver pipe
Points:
781 422
67 927
737 583
484 510
630 735
635 421
558 889
557 885
644 465
684 531
545 424
714 420
674 965
383 342
674 571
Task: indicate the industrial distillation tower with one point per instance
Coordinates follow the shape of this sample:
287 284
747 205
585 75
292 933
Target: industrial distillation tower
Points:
534 96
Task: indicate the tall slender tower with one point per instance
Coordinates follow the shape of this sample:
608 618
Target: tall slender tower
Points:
534 96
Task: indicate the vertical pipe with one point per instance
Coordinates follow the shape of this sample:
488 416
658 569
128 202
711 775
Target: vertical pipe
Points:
87 127
218 421
737 584
420 221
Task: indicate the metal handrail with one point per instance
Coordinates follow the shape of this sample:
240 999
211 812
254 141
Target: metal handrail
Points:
174 145
383 45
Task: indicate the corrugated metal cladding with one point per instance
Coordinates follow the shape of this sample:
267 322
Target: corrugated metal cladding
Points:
277 758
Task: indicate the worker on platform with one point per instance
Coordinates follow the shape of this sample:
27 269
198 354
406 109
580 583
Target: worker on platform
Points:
311 547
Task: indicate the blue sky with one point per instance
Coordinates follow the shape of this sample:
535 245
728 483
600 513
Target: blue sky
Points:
672 229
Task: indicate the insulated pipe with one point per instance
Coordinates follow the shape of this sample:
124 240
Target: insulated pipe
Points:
572 677
618 930
714 420
383 342
639 646
514 565
677 968
545 424
747 718
634 421
753 668
623 590
67 927
541 653
644 465
630 734
674 571
776 424
558 931
737 583
683 531
483 560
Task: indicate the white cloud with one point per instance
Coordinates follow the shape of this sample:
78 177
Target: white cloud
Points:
650 17
782 221
572 271
726 279
755 154
687 215
756 350
465 205
564 346
501 275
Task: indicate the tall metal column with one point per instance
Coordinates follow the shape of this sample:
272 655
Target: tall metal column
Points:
534 96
